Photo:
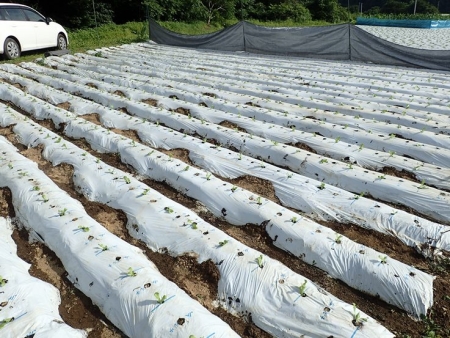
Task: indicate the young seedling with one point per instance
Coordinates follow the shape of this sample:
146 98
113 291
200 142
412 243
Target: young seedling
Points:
391 153
361 146
168 210
160 299
259 200
45 198
127 180
294 219
357 197
338 239
186 168
383 259
324 160
194 225
382 177
259 261
131 272
62 212
36 188
357 320
83 228
145 192
321 186
350 166
5 321
302 288
208 176
10 166
337 139
3 281
422 185
222 243
103 247
58 140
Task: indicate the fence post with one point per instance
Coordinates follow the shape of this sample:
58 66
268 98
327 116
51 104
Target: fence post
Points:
349 42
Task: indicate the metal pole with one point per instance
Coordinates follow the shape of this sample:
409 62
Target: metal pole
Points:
95 15
242 12
95 18
415 6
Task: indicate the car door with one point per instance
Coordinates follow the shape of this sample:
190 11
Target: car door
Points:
45 35
20 27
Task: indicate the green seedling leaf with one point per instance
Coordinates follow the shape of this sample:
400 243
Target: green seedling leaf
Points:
83 228
127 180
160 299
3 281
5 321
302 289
131 272
259 261
357 320
222 243
168 210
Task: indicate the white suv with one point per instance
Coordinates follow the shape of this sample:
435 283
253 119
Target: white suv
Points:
22 29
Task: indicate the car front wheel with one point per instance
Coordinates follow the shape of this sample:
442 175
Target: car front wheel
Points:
62 42
11 49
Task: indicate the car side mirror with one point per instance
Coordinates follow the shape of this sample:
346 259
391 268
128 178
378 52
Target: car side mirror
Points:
48 20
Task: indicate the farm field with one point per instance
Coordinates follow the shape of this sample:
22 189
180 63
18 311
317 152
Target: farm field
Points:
171 192
430 39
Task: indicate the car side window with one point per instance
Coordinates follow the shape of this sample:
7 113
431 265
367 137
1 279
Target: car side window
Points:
14 14
33 16
2 15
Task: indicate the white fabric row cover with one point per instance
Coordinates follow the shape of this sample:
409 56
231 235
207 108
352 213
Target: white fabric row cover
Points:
250 282
280 89
117 276
430 201
28 306
353 263
372 137
323 204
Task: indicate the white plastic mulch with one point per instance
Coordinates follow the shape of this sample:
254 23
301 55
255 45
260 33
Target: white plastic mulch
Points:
431 39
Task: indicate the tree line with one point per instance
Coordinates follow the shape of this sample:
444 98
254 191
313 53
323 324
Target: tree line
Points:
80 13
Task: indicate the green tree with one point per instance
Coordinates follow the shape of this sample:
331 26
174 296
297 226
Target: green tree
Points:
289 9
394 7
423 7
327 10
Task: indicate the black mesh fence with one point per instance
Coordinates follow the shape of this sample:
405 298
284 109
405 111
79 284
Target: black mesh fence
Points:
338 42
